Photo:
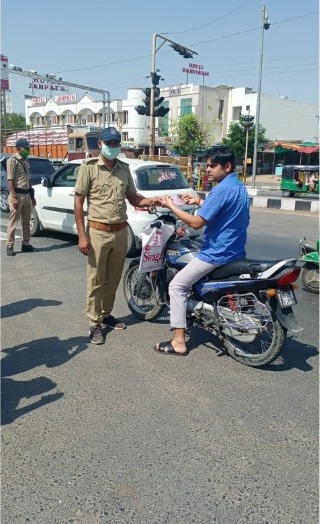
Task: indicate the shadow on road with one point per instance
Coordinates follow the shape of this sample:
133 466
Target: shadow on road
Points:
50 352
13 391
295 354
22 306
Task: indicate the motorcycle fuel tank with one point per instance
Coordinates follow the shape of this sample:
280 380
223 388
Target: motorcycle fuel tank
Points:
181 252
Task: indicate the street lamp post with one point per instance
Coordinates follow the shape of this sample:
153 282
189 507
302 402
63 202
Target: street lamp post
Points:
179 48
265 26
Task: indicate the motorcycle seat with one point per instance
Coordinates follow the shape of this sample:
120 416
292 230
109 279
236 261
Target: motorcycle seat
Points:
245 266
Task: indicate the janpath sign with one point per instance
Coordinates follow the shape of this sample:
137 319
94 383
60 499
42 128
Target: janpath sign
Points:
195 69
44 85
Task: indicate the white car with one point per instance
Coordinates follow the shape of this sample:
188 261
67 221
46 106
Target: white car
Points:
55 197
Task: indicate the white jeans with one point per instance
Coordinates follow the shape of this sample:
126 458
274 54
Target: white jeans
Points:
179 287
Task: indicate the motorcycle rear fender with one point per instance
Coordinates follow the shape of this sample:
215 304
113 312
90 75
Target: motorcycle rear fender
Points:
287 319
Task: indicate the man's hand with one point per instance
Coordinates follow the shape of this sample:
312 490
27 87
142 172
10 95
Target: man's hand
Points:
190 199
15 201
34 202
167 202
84 245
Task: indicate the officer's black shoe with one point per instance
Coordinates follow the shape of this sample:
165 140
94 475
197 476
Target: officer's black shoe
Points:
27 248
10 251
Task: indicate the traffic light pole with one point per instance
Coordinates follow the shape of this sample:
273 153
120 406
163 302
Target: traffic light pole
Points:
181 49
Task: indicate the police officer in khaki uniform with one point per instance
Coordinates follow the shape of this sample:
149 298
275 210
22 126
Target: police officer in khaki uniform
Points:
106 183
21 197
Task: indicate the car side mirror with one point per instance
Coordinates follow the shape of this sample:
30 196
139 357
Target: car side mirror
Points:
45 182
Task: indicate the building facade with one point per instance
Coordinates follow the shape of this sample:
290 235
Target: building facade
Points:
218 106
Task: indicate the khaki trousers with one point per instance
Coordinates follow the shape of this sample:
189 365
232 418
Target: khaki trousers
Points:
23 212
104 269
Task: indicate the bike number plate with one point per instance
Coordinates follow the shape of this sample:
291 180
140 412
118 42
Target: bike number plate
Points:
286 298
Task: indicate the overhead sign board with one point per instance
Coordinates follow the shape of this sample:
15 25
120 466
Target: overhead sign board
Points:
195 69
45 85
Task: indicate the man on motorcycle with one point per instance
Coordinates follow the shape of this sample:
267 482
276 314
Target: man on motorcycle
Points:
225 213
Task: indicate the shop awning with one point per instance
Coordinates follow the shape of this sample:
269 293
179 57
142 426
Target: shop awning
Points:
305 147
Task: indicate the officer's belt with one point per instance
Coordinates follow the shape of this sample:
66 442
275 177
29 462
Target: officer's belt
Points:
22 191
109 228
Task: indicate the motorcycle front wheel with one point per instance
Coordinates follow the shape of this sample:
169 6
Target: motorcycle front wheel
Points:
142 293
265 347
310 279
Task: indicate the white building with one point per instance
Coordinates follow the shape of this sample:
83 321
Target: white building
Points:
283 119
218 106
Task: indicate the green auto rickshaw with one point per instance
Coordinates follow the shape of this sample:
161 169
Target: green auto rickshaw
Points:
299 179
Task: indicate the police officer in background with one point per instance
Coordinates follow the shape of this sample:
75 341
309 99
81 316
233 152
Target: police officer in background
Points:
21 197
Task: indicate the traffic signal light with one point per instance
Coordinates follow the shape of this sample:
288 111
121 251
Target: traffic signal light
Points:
248 121
182 51
161 111
145 110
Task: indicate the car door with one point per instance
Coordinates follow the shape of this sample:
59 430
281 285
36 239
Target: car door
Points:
57 201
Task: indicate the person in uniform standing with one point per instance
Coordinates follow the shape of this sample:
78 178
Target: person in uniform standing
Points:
106 183
21 197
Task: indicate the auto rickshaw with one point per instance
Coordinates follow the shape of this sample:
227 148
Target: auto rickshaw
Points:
299 179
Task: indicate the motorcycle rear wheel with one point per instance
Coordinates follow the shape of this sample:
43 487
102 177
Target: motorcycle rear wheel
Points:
144 302
264 349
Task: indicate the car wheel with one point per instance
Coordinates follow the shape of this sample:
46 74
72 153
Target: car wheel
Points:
287 193
132 248
35 224
4 202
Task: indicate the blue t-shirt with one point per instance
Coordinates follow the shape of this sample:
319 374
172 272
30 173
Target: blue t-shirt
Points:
226 211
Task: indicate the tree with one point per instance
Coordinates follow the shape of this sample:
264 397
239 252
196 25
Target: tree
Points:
15 121
189 134
236 138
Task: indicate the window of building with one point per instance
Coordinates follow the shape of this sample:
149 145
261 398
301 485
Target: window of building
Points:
248 109
236 112
220 111
125 137
90 118
125 117
186 106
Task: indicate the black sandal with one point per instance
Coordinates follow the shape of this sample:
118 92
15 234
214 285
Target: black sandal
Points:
166 348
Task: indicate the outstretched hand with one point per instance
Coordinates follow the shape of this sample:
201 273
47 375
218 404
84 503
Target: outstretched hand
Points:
189 199
167 202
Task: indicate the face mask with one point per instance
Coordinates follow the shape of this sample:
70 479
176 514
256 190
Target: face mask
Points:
25 153
110 153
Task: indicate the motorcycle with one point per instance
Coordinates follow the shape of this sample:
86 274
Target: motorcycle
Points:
309 255
247 303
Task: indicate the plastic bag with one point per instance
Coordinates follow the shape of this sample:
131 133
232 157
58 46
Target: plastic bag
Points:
153 241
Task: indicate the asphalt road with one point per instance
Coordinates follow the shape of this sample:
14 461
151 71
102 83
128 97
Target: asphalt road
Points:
117 434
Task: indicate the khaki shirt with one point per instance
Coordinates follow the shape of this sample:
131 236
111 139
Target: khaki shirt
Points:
18 170
105 190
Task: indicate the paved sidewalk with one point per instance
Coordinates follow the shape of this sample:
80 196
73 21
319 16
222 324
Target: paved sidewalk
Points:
265 181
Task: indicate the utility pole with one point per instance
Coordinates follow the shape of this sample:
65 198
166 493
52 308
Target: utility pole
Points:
248 123
264 26
48 77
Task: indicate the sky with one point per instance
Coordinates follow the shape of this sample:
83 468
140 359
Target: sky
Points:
108 45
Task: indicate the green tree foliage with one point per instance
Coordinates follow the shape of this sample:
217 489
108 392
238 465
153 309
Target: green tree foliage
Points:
189 134
15 121
236 138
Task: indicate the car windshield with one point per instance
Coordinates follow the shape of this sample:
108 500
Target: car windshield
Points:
41 167
160 178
